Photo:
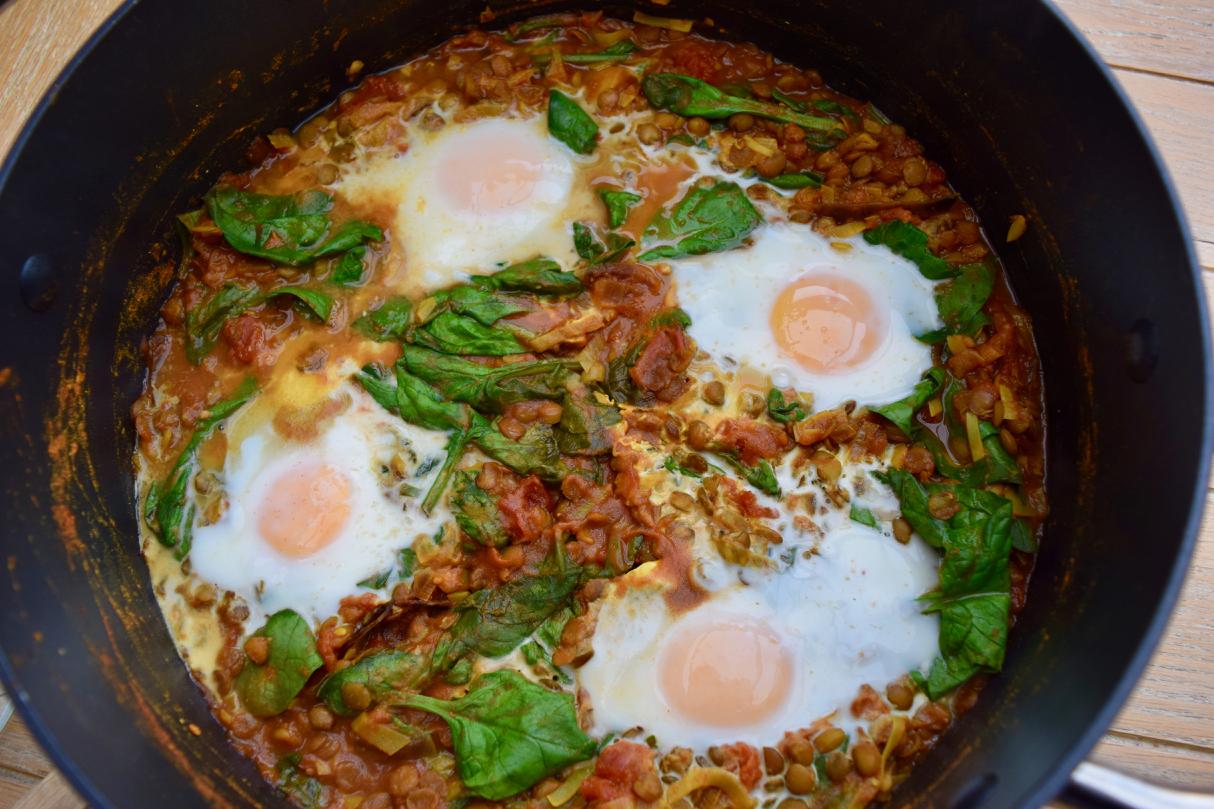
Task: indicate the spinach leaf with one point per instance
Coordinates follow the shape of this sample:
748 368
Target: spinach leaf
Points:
805 179
618 203
691 97
510 733
452 334
267 690
619 52
975 581
902 412
584 242
706 220
1023 538
204 322
166 510
532 25
865 517
588 247
534 653
910 242
348 270
973 639
672 463
293 229
570 124
383 674
487 389
376 582
541 276
536 453
784 413
585 426
408 561
477 513
762 477
388 322
787 101
550 631
494 621
960 303
485 306
305 791
996 467
834 108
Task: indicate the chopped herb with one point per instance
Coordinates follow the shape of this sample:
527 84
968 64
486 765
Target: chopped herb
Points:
863 516
784 413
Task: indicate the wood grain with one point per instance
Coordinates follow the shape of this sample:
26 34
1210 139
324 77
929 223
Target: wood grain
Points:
1163 55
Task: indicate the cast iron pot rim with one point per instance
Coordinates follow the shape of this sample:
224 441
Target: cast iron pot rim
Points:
1052 782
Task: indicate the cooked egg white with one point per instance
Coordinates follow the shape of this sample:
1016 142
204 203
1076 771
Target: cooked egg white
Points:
769 649
470 197
309 517
835 318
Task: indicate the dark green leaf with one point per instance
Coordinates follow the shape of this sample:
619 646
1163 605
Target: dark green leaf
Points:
510 733
960 303
376 582
877 115
865 517
461 673
996 467
485 306
388 322
292 230
806 179
305 791
762 477
787 101
536 453
690 97
452 334
204 322
619 52
902 412
585 427
973 638
738 89
784 413
551 630
385 674
348 270
618 203
835 108
1023 537
617 247
569 123
541 276
268 690
477 513
584 242
487 389
167 510
408 561
706 220
685 140
910 242
494 621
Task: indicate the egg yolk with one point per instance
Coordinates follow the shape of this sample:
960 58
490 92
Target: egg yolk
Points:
827 323
305 509
491 175
727 673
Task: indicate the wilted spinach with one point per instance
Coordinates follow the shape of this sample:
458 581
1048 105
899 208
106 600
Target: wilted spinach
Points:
863 516
541 276
294 229
267 690
706 220
570 124
477 513
618 203
388 322
510 733
204 322
452 334
691 97
384 674
167 509
902 412
910 242
488 389
585 426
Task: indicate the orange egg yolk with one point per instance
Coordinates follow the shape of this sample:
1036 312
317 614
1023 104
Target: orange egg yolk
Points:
494 176
727 673
305 509
827 323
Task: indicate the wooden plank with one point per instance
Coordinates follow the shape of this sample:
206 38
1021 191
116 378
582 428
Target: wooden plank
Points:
53 793
1170 37
37 39
22 763
1180 117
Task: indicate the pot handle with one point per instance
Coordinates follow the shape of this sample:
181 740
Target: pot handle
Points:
1095 787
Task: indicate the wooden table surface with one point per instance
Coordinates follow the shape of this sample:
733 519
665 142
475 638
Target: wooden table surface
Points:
1162 53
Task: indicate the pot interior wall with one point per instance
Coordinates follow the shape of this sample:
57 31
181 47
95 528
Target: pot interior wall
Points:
1000 94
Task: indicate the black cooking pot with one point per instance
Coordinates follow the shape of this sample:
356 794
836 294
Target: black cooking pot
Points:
1005 95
